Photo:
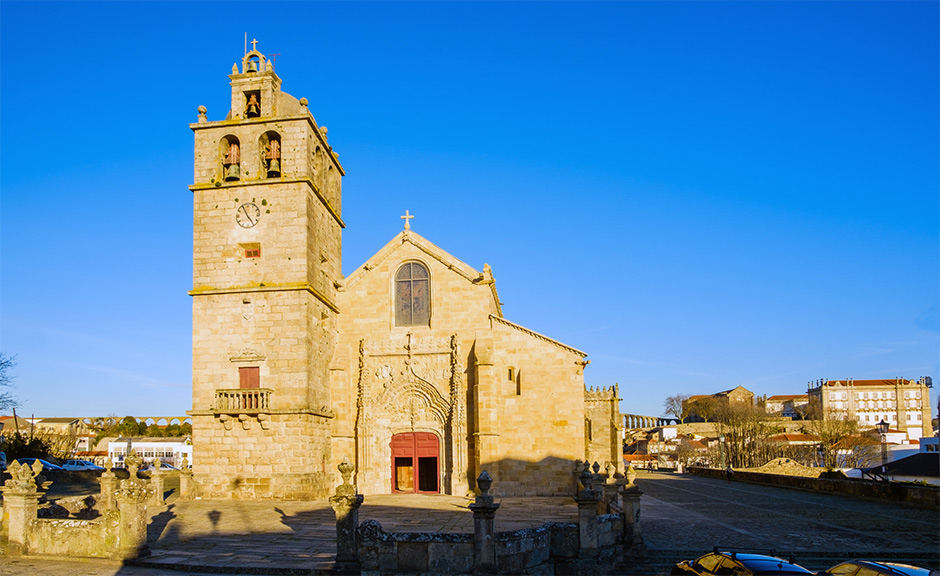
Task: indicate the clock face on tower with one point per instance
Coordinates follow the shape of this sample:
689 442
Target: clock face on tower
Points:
247 215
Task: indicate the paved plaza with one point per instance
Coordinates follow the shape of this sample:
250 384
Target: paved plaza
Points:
682 516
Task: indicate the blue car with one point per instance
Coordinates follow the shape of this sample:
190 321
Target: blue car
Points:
869 568
720 563
45 465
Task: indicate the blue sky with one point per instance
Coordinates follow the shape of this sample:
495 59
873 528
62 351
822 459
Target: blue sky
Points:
699 195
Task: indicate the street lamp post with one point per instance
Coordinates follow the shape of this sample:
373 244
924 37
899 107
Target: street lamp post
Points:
883 430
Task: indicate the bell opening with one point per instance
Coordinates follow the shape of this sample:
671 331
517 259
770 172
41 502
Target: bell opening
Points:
252 104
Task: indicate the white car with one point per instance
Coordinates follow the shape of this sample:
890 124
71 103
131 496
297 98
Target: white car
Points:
81 465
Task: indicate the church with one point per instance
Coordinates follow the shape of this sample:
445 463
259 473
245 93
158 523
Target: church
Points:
406 368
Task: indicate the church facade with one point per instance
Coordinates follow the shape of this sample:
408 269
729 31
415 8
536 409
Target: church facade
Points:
407 368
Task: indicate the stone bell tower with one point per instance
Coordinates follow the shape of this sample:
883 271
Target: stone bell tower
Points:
267 253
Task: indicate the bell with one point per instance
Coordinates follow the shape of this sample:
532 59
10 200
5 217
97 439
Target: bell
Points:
252 66
252 110
274 168
231 173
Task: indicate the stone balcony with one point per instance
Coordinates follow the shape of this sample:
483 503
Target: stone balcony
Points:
243 401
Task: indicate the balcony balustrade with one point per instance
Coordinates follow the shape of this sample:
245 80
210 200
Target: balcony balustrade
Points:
243 400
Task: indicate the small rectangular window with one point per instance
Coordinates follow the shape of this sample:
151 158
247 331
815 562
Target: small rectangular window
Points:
249 377
253 253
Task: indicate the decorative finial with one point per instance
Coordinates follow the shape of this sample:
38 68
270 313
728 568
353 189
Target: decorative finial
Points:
484 481
303 102
346 470
406 218
202 114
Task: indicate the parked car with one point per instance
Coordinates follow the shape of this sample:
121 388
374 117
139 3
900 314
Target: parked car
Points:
163 466
81 465
45 465
869 568
720 563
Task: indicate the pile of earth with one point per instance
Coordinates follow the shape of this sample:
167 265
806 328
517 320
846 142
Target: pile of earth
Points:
787 467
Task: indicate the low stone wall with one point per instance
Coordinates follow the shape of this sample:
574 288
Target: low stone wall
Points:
920 496
113 523
530 551
596 544
387 552
552 548
74 538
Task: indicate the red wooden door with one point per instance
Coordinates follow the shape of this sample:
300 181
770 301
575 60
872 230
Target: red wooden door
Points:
415 462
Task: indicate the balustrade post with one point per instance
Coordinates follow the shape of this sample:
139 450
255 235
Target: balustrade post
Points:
108 483
157 482
20 503
632 536
484 510
588 500
132 499
186 480
346 503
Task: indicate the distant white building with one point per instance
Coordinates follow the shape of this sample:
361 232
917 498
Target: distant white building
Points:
168 450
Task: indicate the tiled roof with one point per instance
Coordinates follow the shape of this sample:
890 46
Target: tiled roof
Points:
788 397
890 382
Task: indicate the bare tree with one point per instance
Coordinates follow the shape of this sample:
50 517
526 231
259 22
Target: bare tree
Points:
840 444
746 429
676 405
7 363
706 407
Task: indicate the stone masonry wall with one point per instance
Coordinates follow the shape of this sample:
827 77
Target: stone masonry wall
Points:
288 460
540 414
602 439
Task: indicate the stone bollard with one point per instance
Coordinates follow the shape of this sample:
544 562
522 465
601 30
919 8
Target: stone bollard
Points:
346 505
186 480
132 497
157 482
633 546
484 527
588 501
20 503
108 483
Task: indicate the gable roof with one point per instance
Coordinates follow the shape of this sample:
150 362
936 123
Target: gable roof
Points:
780 397
535 334
454 264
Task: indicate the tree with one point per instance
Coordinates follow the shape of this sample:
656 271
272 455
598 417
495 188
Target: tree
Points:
706 407
746 429
840 444
676 405
7 363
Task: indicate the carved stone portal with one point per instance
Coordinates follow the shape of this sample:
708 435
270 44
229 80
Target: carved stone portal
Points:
410 384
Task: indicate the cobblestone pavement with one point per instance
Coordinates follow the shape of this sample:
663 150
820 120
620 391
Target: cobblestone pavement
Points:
692 513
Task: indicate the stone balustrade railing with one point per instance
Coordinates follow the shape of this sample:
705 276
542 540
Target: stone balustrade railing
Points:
243 400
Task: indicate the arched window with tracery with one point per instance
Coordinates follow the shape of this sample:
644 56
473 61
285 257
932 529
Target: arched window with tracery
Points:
412 295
